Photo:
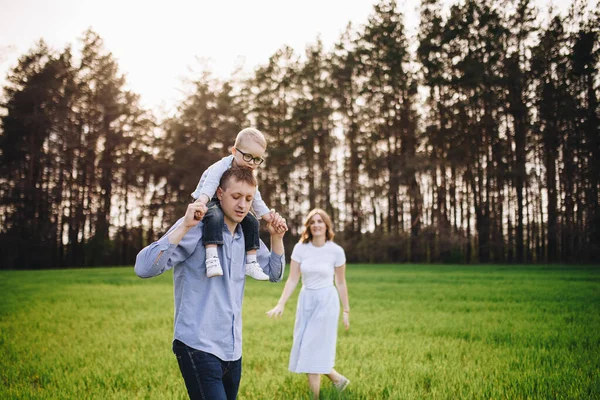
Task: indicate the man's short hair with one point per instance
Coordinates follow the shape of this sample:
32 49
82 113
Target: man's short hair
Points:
238 173
251 134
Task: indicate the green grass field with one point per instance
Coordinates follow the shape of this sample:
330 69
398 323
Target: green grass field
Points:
417 331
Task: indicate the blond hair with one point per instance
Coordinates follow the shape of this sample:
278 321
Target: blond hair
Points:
251 134
306 235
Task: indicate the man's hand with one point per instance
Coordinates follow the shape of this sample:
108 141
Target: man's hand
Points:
278 226
189 221
194 214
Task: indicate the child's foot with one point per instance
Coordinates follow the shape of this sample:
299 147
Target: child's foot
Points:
341 384
213 267
255 271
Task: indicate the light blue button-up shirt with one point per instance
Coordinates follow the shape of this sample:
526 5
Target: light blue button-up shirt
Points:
208 311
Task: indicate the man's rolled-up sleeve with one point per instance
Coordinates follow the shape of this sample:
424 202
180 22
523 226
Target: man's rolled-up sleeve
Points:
161 255
271 263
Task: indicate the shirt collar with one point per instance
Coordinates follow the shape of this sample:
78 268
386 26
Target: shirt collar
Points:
237 233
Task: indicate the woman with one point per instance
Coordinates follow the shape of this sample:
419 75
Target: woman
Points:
318 259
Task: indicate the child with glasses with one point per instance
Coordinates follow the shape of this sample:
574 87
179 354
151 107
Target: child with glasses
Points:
248 150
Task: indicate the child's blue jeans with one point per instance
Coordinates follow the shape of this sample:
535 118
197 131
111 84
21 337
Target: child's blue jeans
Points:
214 223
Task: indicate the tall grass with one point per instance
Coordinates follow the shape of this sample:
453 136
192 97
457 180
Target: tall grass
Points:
417 331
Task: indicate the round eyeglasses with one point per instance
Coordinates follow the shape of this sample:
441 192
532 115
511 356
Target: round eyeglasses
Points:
250 158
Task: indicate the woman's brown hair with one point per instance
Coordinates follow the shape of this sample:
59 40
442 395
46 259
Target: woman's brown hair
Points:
306 235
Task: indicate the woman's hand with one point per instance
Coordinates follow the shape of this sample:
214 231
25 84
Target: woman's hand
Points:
276 312
346 319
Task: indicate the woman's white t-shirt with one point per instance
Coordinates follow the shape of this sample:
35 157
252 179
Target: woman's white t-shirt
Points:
317 263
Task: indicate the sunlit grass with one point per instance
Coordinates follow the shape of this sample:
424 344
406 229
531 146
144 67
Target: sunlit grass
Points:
441 332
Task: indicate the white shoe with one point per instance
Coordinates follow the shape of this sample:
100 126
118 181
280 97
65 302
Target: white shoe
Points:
255 271
342 383
213 267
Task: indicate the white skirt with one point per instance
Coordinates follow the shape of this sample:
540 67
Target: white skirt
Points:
315 331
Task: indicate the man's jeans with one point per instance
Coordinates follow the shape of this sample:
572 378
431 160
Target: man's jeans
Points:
207 376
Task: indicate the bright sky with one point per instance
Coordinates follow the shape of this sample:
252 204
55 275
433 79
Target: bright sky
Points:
156 43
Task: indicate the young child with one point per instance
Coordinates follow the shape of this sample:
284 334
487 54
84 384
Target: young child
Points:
248 151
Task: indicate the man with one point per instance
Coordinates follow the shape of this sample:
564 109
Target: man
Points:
208 311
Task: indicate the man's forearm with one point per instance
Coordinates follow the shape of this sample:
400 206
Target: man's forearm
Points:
153 259
277 245
178 233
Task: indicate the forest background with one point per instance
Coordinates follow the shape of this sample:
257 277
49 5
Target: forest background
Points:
475 141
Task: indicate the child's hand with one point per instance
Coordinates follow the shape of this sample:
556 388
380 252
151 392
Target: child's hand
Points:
268 217
281 227
194 213
276 221
279 223
277 226
200 209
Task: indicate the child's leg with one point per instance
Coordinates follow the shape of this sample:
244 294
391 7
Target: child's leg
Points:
212 237
250 227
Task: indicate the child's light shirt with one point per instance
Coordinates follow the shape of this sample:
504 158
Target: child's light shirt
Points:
317 264
209 182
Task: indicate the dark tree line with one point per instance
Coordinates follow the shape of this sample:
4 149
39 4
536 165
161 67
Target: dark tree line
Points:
476 141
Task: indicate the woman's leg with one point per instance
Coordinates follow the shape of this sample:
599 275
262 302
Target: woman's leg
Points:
314 384
338 380
334 376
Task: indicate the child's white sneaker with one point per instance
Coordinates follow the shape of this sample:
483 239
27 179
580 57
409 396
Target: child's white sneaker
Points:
213 267
254 270
341 384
